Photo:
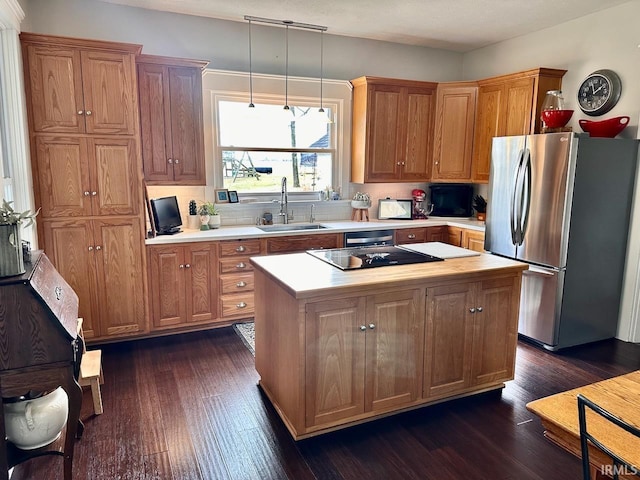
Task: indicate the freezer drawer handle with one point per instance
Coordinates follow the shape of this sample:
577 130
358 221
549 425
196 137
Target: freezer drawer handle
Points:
541 271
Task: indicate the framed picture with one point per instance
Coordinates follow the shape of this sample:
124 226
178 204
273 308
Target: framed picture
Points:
233 196
222 195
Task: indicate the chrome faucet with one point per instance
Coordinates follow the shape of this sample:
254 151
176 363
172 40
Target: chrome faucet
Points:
312 217
284 205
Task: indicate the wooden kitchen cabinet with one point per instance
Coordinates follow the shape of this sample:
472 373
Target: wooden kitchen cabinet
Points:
85 176
470 335
300 243
454 236
80 86
473 240
102 260
171 120
183 284
455 116
509 105
236 276
378 341
392 131
411 235
437 234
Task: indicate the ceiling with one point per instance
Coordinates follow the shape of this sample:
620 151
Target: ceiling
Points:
458 25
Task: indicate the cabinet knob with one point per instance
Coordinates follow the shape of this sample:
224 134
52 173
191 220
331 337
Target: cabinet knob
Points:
241 265
176 160
411 236
472 310
80 112
241 284
398 163
437 163
181 265
240 248
363 328
241 305
479 309
90 248
93 194
88 112
98 247
86 194
188 265
402 163
372 326
170 160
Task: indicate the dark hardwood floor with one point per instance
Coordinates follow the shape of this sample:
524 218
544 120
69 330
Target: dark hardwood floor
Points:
187 407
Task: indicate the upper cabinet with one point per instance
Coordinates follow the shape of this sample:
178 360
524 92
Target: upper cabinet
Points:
392 130
171 120
455 116
80 87
509 105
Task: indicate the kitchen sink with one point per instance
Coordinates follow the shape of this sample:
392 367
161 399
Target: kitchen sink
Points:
290 227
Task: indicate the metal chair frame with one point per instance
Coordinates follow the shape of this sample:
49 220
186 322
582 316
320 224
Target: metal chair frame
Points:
586 437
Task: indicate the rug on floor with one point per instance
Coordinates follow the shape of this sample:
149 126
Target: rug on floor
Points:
247 334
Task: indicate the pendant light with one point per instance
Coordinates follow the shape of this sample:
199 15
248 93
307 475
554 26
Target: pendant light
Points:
286 24
286 65
251 105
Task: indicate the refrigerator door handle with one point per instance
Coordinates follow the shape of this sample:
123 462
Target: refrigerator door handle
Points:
525 195
542 271
514 214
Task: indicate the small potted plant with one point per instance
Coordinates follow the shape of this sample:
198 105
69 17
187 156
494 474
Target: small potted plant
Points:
204 217
480 206
214 214
11 259
193 222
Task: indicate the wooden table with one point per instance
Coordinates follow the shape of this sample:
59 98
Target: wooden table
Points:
619 395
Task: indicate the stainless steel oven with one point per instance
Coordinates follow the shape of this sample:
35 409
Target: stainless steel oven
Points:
370 237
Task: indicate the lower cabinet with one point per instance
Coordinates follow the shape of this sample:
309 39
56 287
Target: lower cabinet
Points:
102 261
437 234
183 290
363 355
470 335
473 240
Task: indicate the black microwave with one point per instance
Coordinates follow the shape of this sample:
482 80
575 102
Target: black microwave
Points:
451 200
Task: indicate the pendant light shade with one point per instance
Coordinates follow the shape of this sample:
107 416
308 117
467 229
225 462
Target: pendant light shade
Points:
251 105
321 68
286 65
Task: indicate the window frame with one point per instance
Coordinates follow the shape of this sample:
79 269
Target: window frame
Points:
222 85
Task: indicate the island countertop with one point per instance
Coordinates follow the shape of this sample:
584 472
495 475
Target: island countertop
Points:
304 276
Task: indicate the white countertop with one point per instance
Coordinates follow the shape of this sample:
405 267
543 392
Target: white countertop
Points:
252 231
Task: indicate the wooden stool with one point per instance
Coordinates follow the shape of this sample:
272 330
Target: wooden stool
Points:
91 372
360 214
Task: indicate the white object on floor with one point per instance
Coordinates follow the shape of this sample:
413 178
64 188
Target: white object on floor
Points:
440 250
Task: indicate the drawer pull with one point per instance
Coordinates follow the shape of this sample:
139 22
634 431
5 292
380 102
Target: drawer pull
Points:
241 305
241 284
411 236
479 309
241 265
240 248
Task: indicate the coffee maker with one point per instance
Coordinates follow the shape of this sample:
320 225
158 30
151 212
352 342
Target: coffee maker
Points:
419 210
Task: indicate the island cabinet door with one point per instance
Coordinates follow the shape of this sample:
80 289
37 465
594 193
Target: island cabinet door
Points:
495 330
394 349
449 337
335 344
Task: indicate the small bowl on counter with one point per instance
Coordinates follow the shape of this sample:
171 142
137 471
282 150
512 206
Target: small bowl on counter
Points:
608 128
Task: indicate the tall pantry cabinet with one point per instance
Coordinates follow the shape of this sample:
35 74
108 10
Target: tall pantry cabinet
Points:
82 107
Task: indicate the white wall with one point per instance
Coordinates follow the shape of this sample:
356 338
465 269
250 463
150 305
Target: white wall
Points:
225 44
607 39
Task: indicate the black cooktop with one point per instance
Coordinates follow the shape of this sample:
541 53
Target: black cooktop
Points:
369 257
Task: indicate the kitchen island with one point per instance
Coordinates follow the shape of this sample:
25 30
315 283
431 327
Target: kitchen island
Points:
336 348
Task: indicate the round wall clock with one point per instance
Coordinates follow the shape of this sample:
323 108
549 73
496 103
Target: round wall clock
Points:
599 92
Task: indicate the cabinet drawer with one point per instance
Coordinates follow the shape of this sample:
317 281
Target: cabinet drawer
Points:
230 248
237 304
235 265
300 243
236 283
411 235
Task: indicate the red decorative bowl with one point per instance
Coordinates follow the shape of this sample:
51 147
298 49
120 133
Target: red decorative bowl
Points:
608 128
556 118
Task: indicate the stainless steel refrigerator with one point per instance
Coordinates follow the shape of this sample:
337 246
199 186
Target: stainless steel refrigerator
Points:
561 202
